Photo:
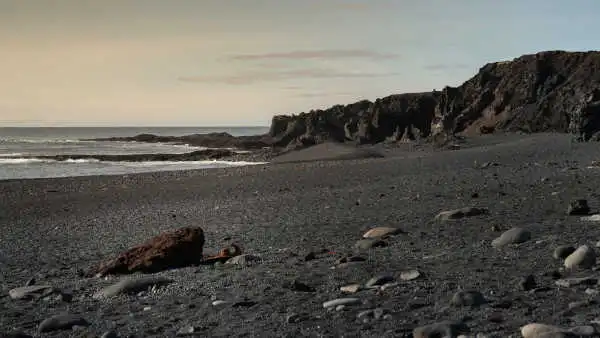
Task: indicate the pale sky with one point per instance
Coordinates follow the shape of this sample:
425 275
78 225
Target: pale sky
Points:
239 62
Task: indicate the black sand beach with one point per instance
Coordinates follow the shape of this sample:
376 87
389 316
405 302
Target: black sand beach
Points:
54 229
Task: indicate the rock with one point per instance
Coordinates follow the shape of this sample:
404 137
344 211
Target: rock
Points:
340 301
27 292
369 243
61 322
219 302
592 218
380 232
244 260
461 213
409 275
169 250
536 330
512 236
582 258
295 285
310 256
30 282
110 334
527 283
372 314
131 286
467 298
569 282
378 281
440 329
187 330
578 208
352 288
296 318
563 251
584 331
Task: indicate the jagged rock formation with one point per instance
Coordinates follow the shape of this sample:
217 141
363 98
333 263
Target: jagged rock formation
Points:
553 91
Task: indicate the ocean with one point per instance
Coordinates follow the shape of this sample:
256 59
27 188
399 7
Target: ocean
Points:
18 143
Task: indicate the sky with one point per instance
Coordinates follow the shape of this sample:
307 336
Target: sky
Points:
239 62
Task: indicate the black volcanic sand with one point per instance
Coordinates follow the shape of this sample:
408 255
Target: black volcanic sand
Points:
52 228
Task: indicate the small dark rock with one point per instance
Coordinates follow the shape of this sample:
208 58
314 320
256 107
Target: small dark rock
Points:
310 256
295 285
467 298
527 283
30 282
61 322
578 208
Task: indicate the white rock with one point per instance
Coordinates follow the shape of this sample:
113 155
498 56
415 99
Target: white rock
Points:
534 330
219 302
409 275
340 301
243 260
512 236
131 285
352 288
382 231
28 291
592 218
584 258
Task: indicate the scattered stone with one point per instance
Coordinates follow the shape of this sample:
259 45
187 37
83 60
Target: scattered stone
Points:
296 318
389 286
569 282
536 330
132 285
244 260
61 322
578 208
583 258
496 228
28 292
110 334
380 232
378 281
369 243
219 302
584 331
467 298
176 249
512 236
440 329
591 292
30 282
592 218
340 301
187 330
409 275
461 213
295 285
372 314
310 256
563 251
352 288
527 283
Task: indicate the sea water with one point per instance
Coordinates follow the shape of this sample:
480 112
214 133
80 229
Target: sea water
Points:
20 146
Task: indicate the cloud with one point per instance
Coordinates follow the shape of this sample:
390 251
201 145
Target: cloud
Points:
254 77
318 54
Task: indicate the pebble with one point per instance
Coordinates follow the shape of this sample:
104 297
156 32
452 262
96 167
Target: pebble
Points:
295 318
569 282
350 259
219 302
352 288
583 258
369 243
340 301
460 213
296 285
512 236
244 260
30 282
592 218
378 281
527 283
409 275
110 334
29 291
61 322
440 329
132 285
563 251
187 330
467 298
578 208
382 232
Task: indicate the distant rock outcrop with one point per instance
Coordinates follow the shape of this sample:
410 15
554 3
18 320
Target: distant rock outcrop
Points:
210 140
552 91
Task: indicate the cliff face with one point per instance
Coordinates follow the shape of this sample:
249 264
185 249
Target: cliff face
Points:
549 91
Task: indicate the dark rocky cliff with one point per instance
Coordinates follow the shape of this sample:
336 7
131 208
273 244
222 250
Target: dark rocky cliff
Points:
550 91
